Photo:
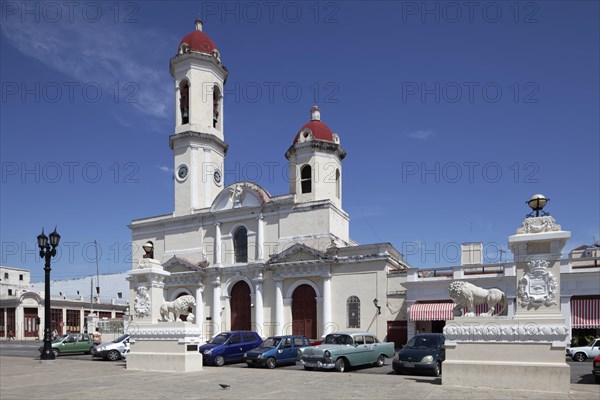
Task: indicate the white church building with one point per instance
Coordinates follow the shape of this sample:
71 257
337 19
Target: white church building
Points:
274 264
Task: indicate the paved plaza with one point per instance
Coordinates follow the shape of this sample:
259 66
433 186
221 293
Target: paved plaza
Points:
27 378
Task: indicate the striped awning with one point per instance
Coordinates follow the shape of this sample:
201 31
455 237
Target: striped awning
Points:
585 312
431 311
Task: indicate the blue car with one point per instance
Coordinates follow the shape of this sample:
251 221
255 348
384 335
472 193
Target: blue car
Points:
276 350
229 347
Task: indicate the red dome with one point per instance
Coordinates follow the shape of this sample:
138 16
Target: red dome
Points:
198 40
320 131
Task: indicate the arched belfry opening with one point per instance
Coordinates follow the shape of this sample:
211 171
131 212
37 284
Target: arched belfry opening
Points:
184 101
217 96
240 245
306 179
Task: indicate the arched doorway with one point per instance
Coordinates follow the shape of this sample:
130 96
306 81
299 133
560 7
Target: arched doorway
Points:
240 307
304 311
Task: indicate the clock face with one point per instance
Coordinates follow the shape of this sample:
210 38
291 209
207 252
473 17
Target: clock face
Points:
217 176
182 172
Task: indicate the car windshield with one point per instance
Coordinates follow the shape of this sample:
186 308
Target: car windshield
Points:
219 339
271 342
120 338
422 342
338 339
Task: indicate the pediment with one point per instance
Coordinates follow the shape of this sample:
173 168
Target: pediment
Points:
240 195
179 264
298 253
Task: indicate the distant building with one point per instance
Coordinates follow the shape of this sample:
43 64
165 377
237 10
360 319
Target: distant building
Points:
22 303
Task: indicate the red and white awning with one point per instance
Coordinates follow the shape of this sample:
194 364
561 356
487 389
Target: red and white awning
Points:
431 312
585 312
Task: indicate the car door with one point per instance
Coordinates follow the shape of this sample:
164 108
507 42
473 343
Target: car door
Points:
286 352
595 351
69 345
233 350
249 342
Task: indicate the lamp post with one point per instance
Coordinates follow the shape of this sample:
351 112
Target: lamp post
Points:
537 203
376 303
47 252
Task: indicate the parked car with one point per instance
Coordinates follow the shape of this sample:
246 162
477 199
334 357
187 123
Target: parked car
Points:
112 351
584 352
72 343
229 347
596 369
423 353
276 350
342 350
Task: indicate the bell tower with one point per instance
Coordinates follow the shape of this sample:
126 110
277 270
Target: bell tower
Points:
316 162
198 143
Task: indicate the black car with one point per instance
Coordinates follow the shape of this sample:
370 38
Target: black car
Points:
423 353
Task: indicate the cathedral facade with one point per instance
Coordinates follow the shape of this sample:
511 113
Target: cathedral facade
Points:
276 264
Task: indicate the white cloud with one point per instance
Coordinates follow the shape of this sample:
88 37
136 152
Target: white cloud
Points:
421 134
107 54
165 169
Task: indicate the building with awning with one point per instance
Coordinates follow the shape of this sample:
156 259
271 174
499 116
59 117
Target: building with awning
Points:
428 305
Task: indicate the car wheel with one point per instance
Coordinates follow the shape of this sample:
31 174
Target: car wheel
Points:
380 360
113 355
438 369
56 352
340 365
308 368
271 363
219 361
90 350
579 356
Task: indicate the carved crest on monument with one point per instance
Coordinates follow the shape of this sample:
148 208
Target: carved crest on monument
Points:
538 286
538 225
142 304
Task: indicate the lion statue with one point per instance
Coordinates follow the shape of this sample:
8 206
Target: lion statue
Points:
467 295
180 306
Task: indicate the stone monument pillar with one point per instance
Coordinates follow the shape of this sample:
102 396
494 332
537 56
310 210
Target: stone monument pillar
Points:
158 345
527 351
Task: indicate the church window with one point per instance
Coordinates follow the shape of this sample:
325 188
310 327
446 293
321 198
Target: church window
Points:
353 307
184 101
306 179
337 183
240 245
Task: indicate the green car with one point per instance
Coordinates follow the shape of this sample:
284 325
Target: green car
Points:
72 343
342 350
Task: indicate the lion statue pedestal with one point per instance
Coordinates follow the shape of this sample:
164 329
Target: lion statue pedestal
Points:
525 351
159 340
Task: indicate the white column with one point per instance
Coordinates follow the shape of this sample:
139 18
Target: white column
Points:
216 309
200 309
194 182
218 243
327 326
279 307
258 305
260 238
19 322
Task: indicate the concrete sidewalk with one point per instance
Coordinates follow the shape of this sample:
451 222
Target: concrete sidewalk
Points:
24 378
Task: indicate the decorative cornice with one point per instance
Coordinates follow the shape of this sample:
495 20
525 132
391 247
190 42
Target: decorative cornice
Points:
202 137
316 145
505 330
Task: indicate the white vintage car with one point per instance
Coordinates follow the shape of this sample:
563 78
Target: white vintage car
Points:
584 352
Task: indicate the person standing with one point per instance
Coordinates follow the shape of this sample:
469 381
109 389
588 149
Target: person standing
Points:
97 337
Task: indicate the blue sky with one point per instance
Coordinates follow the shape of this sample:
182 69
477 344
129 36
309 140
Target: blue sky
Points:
452 114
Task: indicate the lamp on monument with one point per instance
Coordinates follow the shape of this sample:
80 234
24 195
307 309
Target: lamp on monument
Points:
537 203
148 249
47 251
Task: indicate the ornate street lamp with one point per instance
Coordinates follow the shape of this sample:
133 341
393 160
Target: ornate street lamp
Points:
148 249
47 251
537 203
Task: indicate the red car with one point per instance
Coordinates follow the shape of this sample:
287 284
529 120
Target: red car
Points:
596 369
